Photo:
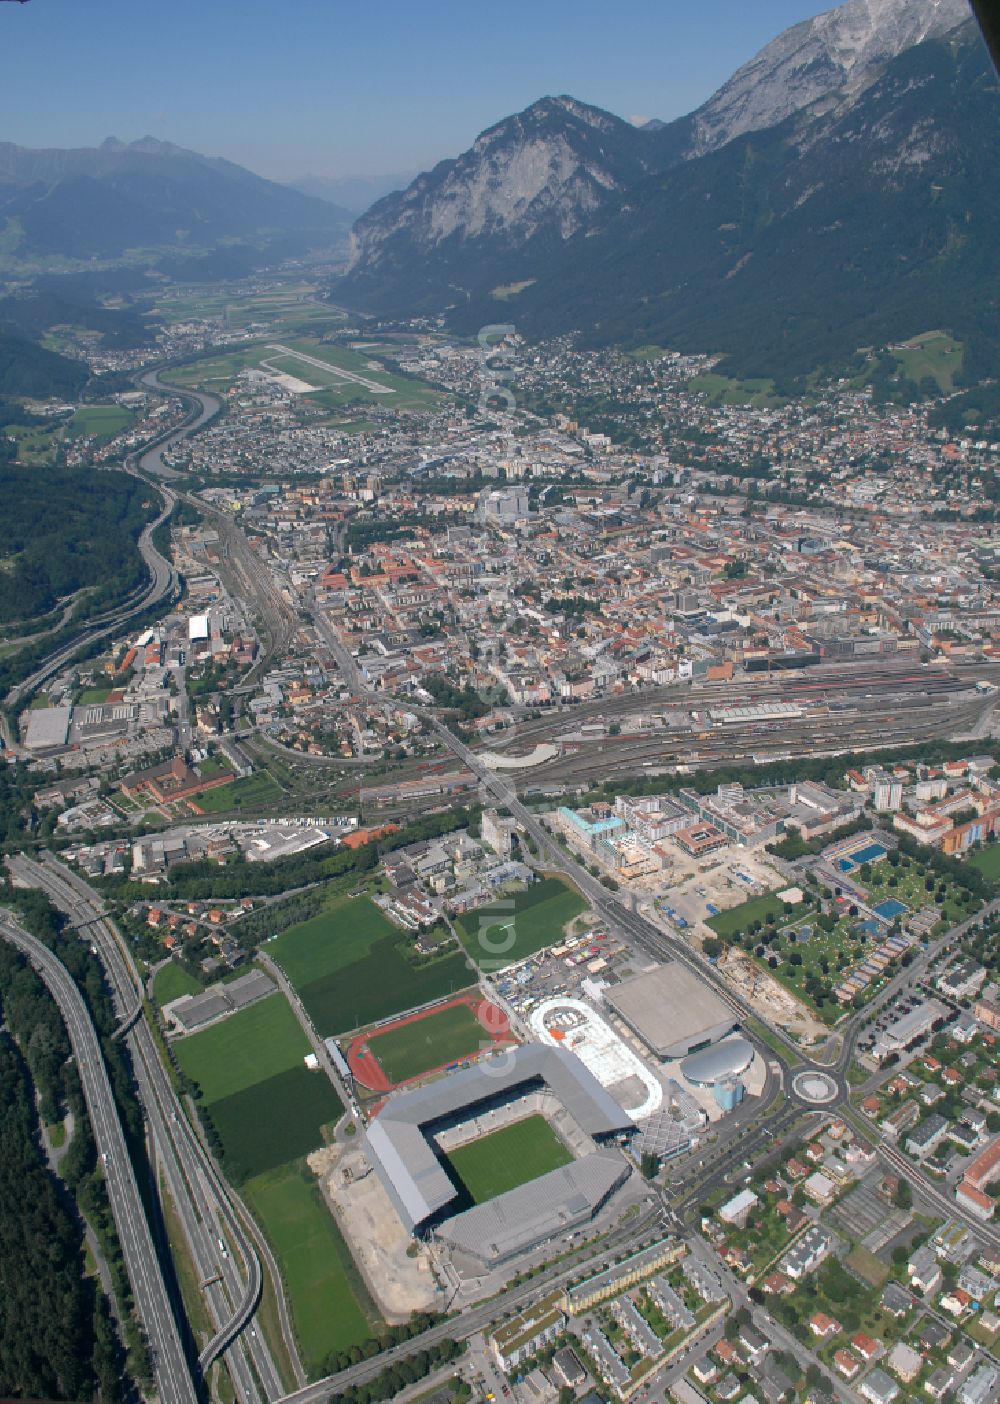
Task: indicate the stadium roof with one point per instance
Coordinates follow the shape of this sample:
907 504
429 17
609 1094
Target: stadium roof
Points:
671 1009
521 1218
727 1059
398 1139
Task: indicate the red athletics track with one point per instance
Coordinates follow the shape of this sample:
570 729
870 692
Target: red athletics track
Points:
366 1067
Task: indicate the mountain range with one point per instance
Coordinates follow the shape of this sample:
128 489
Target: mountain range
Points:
108 201
355 193
842 188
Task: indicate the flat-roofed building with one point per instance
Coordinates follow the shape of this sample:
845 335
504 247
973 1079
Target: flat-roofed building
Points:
672 1010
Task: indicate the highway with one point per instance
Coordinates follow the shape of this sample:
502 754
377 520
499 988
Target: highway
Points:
152 1300
162 581
210 1213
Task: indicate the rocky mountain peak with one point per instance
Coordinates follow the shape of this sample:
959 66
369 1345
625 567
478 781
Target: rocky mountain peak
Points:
838 52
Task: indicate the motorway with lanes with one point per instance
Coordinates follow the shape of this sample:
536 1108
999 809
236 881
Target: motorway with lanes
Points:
209 1212
173 1377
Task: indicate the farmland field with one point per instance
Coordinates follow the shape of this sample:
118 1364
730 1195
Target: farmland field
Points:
513 927
508 1158
417 1047
349 968
315 1263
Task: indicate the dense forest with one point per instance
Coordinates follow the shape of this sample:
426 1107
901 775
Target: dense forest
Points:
29 369
46 1312
34 1022
67 529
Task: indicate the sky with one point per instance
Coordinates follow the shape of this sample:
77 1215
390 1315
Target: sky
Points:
290 87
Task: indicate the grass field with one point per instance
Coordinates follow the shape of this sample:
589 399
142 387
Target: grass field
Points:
92 696
510 1157
513 927
266 1105
987 860
275 1120
248 1047
268 1109
315 1263
220 371
349 968
739 918
100 422
250 792
721 390
934 354
412 1049
171 981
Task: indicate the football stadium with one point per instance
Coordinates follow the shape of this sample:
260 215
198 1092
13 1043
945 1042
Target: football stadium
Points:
495 1159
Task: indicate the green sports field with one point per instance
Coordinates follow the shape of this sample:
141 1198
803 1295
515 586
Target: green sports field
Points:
415 1048
349 968
101 422
248 1047
269 1110
274 1121
513 927
319 1277
510 1157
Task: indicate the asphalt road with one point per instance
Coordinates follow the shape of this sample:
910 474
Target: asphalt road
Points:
220 1241
173 1377
162 579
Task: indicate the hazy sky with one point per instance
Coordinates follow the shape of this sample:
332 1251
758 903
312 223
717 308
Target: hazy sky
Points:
294 86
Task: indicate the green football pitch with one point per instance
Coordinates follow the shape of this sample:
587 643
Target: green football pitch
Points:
417 1047
508 1158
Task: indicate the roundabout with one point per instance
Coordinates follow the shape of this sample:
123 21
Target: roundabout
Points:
815 1088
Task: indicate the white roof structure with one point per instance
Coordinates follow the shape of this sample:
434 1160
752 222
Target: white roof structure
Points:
570 1023
739 1204
727 1059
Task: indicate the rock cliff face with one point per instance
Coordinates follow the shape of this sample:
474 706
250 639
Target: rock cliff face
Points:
841 189
542 171
834 55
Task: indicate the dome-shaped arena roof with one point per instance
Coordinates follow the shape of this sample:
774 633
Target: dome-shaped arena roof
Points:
726 1059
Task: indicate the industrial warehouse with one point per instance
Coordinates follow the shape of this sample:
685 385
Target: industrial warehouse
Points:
409 1142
